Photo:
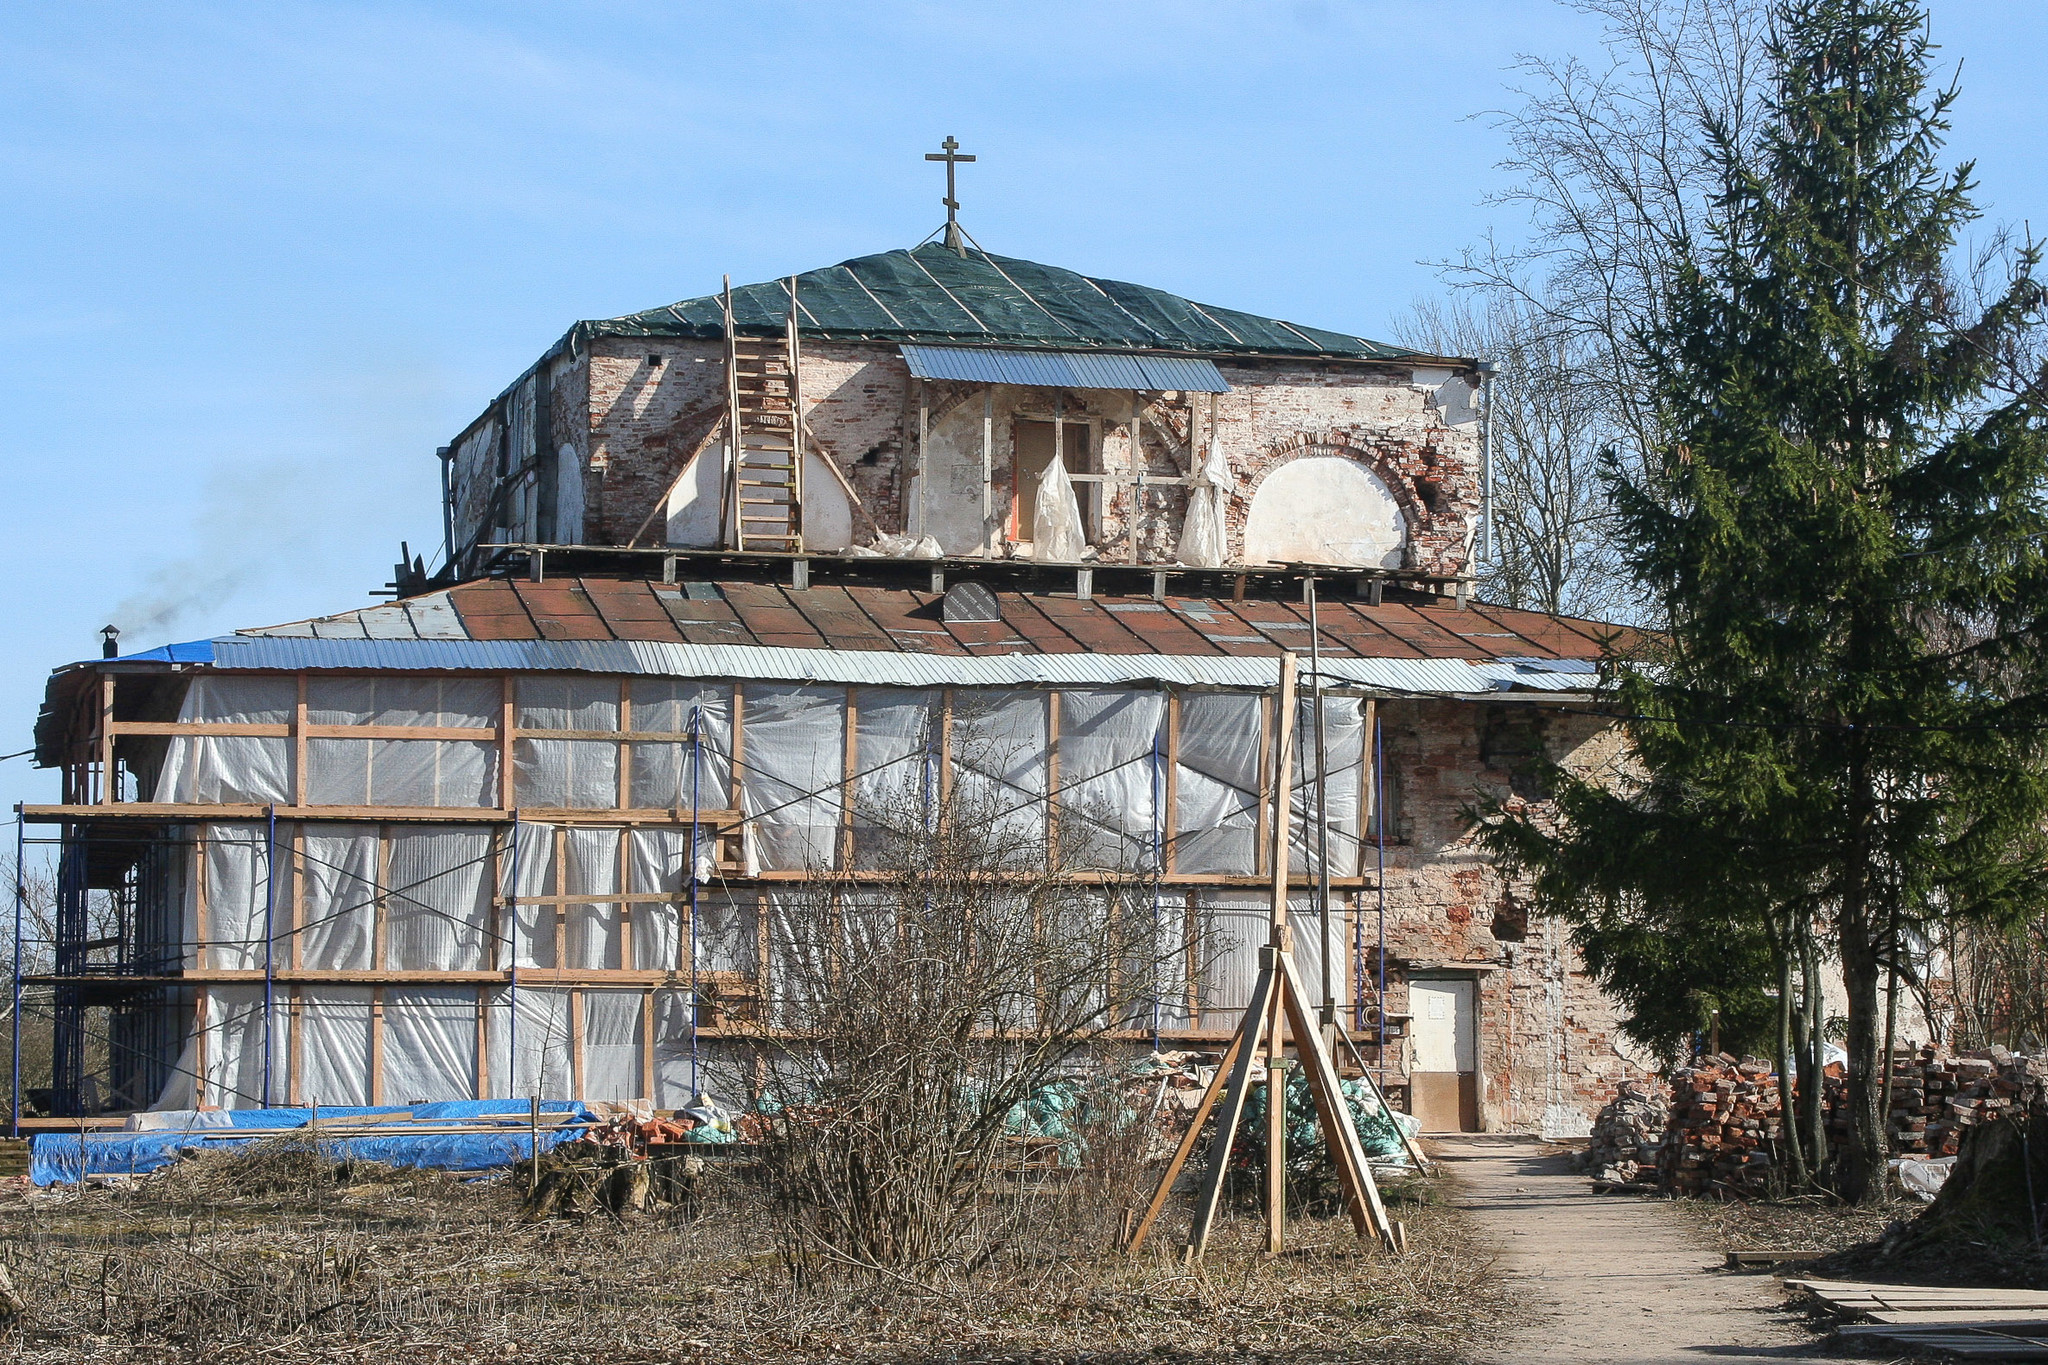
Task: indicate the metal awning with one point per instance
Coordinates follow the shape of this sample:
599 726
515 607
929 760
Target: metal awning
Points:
1065 369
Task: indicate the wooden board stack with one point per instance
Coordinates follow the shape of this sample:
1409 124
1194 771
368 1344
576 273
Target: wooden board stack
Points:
1996 1324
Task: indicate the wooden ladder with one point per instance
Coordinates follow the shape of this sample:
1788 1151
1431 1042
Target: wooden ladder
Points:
763 507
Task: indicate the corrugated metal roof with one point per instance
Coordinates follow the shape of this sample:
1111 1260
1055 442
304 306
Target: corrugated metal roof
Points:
1065 369
1429 677
930 294
869 617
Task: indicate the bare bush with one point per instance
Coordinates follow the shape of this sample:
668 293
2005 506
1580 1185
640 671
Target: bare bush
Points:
914 1006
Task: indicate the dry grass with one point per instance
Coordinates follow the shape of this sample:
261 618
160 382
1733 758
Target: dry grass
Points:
274 1254
1793 1224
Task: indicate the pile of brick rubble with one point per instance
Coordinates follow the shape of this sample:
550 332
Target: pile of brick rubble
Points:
1722 1127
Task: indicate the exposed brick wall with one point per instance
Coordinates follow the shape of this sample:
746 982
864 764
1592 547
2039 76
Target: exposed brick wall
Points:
1549 1049
633 408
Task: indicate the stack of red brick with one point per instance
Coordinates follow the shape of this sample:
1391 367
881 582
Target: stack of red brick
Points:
1936 1097
1726 1126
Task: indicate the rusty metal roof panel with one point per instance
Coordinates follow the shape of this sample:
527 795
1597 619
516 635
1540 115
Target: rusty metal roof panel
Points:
1429 677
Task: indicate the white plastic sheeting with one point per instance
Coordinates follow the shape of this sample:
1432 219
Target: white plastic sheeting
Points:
336 1048
1112 778
429 1044
896 769
426 897
790 767
677 774
612 1046
999 767
1056 535
231 768
1204 539
437 903
1343 755
530 1043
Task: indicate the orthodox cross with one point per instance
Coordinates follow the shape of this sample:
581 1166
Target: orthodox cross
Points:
951 156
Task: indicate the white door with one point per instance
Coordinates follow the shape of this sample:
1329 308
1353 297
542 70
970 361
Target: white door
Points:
1443 1066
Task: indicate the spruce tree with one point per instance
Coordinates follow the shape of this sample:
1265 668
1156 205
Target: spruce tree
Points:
1841 732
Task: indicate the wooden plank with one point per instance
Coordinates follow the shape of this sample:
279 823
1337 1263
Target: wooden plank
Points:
297 731
739 743
1232 1112
376 1045
508 797
299 727
849 764
295 1046
483 1043
1169 820
1188 1138
625 763
577 1072
380 906
559 878
200 1051
107 732
647 1046
157 811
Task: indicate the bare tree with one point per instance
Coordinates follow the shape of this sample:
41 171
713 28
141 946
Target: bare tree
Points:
1553 550
1614 161
913 1007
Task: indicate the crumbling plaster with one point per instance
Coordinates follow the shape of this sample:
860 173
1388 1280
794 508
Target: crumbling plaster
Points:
626 413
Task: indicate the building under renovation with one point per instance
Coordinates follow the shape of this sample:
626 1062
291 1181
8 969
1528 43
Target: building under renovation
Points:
715 570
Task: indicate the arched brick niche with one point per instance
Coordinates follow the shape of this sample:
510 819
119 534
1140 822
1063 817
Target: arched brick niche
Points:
1327 501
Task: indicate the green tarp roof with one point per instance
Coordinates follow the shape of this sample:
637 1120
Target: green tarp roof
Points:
930 294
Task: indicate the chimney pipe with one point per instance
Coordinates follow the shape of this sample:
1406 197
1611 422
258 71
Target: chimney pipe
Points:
110 642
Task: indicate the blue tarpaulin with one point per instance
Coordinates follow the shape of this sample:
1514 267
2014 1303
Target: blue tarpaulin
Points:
55 1158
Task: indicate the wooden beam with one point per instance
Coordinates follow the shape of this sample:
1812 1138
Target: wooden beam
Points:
558 879
376 1045
647 1046
739 744
380 907
507 794
243 812
299 732
483 1043
107 732
1282 796
201 1053
849 764
1169 820
1052 774
577 1074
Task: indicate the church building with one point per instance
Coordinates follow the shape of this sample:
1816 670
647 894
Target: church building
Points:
710 571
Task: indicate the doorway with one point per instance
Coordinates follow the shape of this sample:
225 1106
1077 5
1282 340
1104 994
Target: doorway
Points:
1033 451
1443 1067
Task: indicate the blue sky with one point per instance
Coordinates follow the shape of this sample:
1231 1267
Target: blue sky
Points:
260 261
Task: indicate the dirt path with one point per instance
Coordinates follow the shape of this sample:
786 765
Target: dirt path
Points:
1613 1280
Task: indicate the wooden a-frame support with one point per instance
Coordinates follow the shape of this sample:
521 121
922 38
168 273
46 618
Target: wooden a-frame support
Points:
1278 1013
